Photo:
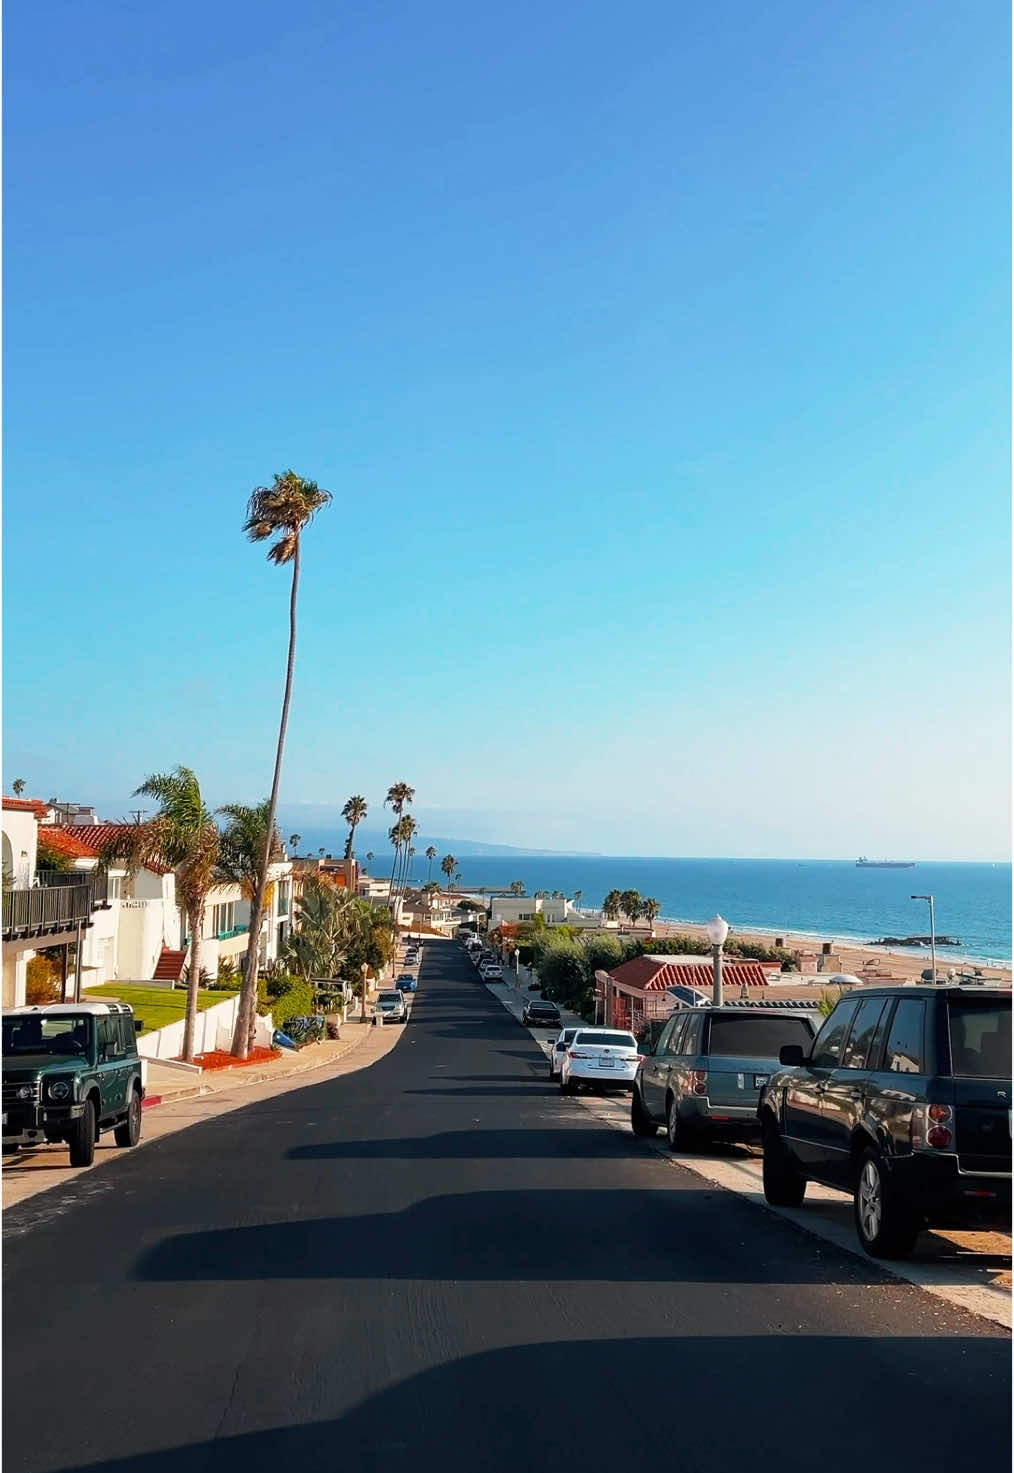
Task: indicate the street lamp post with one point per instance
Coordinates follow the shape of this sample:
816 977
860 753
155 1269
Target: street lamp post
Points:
933 933
717 930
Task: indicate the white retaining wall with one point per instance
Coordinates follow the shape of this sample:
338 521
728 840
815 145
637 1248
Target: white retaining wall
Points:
213 1030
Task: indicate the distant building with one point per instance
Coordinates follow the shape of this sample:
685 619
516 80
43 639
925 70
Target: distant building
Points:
556 910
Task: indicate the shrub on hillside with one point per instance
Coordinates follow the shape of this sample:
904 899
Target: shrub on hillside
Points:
284 998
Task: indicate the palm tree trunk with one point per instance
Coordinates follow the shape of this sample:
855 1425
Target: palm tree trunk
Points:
196 917
246 1021
394 867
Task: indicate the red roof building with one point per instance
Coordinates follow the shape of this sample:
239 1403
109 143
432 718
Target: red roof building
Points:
64 842
638 989
100 835
26 805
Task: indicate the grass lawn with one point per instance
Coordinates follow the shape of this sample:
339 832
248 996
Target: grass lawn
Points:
154 1006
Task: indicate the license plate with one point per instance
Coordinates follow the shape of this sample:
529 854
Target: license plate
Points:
606 1064
760 1079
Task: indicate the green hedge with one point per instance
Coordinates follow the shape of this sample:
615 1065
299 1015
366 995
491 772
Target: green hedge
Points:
284 998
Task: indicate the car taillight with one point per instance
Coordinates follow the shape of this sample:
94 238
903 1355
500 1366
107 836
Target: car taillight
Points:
573 1054
700 1078
931 1126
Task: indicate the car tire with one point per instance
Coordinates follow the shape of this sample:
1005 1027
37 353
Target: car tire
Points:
81 1137
783 1185
129 1133
676 1132
567 1087
884 1227
641 1122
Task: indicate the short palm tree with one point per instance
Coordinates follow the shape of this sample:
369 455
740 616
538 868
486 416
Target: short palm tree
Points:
241 853
630 905
431 855
650 909
278 513
182 837
448 864
369 856
517 887
18 787
611 906
353 813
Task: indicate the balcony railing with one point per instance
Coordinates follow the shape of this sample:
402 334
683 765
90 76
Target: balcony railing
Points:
233 931
47 908
98 879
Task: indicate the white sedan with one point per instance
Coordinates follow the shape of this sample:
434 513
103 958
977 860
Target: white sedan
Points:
600 1057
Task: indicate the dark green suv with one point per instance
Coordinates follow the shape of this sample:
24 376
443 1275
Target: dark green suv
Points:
70 1071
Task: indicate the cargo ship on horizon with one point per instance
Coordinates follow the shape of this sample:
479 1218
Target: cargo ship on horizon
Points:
863 863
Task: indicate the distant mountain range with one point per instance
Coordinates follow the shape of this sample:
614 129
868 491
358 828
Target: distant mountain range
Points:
329 832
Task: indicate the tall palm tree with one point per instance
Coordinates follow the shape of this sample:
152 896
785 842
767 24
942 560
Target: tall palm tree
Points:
457 877
353 813
578 896
408 827
394 834
294 840
241 852
182 837
18 787
399 796
448 864
279 512
431 855
369 856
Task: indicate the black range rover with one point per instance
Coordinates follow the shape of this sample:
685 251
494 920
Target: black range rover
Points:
904 1100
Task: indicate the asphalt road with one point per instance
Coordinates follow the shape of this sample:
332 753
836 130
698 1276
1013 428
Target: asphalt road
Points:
438 1262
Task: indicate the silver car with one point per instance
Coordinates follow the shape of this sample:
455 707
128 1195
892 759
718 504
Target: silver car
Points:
391 1008
602 1058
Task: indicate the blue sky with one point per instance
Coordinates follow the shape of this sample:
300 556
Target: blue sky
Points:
657 360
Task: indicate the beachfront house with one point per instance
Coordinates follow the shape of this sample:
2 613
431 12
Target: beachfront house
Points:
556 910
637 991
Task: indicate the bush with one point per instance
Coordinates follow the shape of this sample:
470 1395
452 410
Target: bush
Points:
284 998
304 1029
43 982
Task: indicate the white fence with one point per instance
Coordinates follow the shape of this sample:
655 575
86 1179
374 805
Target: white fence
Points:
212 1030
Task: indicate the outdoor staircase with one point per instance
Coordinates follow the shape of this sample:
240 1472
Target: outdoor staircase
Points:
170 965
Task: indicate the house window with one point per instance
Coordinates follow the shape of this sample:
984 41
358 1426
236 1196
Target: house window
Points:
223 918
113 891
283 898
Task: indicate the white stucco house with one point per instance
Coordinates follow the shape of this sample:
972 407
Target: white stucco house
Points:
556 910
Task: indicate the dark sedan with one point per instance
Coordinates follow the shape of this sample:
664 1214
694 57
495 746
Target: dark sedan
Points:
541 1014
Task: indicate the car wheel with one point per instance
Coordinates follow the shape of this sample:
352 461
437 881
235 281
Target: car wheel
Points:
883 1226
81 1137
129 1133
641 1122
675 1133
783 1186
566 1087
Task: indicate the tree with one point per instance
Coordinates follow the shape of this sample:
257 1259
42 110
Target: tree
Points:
578 896
317 947
431 855
182 837
650 909
611 906
399 796
241 851
18 786
322 851
281 512
630 905
457 877
517 887
353 813
294 840
448 864
369 856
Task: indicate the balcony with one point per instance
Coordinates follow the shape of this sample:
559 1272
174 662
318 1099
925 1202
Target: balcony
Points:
234 931
58 902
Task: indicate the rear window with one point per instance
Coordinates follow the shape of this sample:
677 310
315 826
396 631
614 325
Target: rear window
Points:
389 997
607 1040
980 1038
756 1037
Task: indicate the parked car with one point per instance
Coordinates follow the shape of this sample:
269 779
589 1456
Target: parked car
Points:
540 1013
560 1047
392 1007
407 983
492 973
703 1078
603 1058
70 1071
904 1100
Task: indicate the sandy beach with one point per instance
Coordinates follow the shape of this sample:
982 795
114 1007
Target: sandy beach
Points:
875 963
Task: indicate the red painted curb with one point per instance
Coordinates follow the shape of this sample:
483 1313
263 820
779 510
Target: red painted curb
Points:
150 1100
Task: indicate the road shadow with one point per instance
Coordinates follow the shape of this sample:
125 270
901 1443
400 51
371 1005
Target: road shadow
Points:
526 1143
557 1236
611 1399
532 1087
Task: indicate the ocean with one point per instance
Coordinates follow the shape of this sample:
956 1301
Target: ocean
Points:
828 899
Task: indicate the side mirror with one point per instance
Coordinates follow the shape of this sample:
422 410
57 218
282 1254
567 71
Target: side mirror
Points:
791 1054
561 1048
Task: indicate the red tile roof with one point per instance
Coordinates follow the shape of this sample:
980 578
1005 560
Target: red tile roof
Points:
99 835
654 976
65 842
26 805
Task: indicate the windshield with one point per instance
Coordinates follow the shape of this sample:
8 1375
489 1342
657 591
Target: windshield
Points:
756 1038
67 1034
389 997
606 1040
980 1038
